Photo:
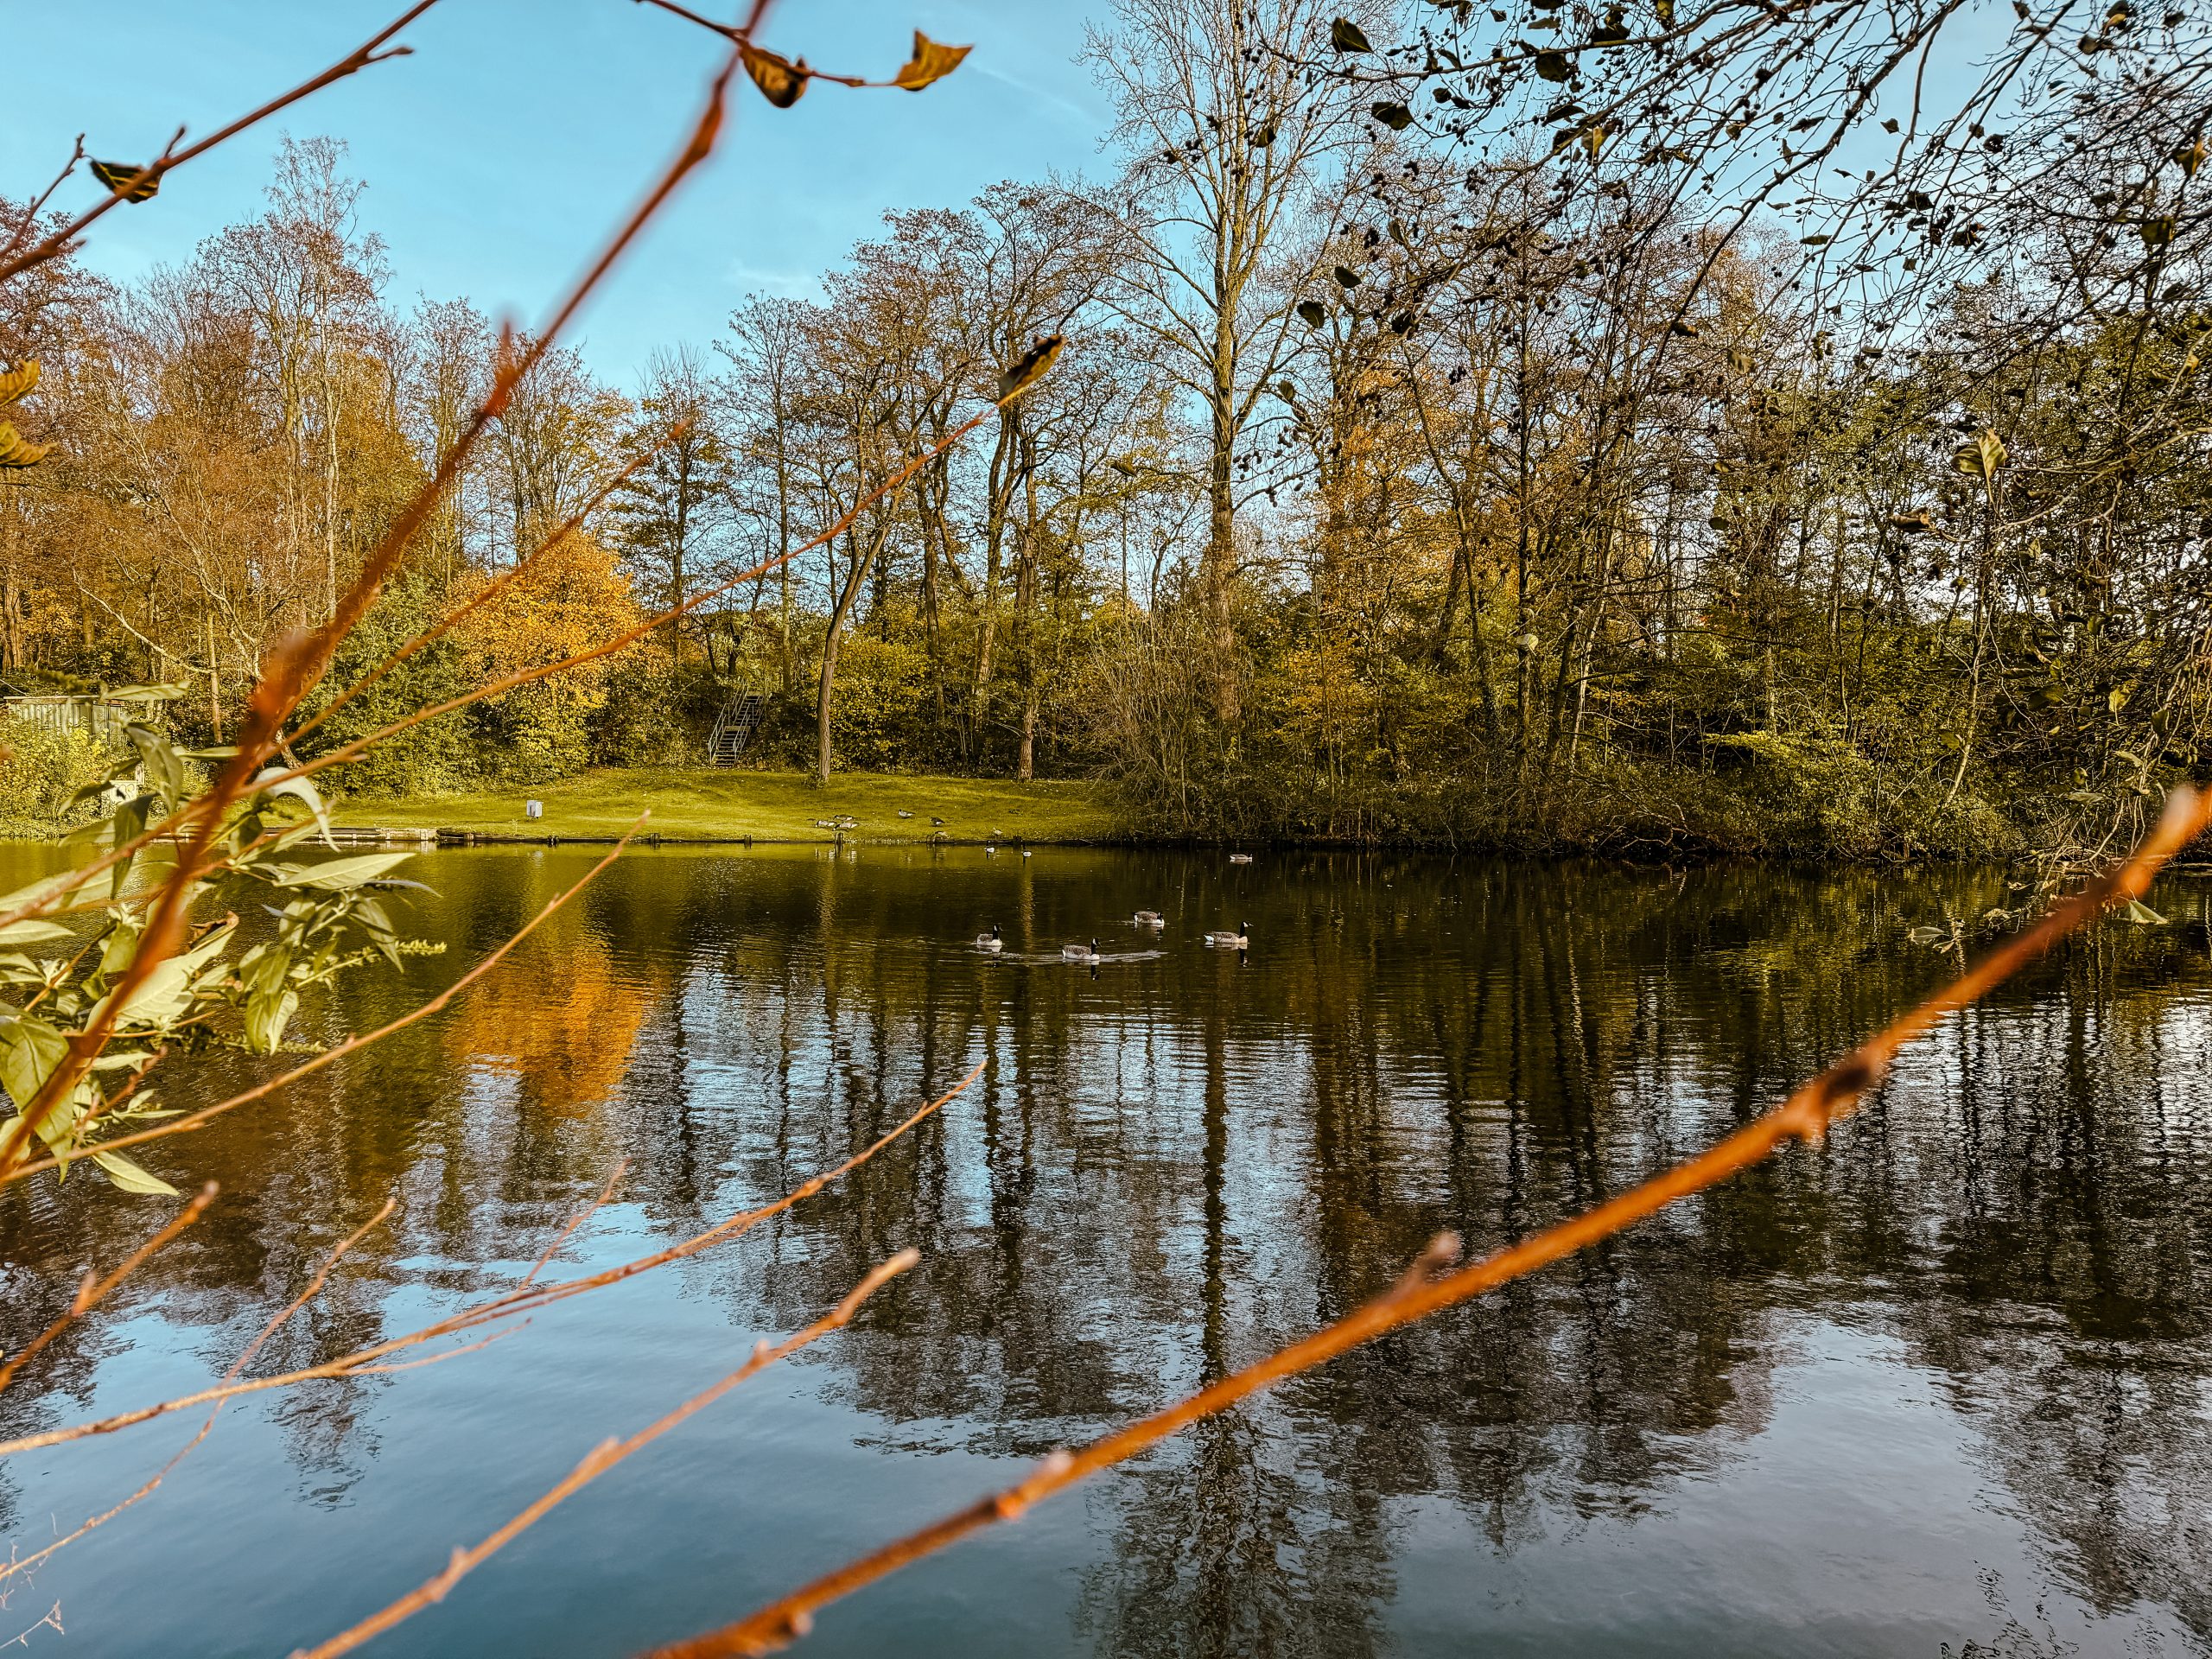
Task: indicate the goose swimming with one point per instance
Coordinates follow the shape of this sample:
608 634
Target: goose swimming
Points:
1223 940
1149 918
1080 952
990 941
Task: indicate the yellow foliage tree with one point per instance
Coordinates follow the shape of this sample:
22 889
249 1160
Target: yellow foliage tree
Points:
572 596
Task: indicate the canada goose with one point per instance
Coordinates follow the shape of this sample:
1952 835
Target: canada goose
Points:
1150 919
1081 953
990 941
1240 858
1236 941
939 823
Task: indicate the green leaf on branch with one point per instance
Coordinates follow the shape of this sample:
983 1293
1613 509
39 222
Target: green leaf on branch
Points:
341 874
129 1178
300 789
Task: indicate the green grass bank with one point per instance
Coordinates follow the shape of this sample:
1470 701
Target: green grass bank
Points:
697 804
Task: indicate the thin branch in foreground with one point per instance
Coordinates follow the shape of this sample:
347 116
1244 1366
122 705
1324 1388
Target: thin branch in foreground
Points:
29 220
602 1458
53 1619
205 1114
172 158
1805 1116
365 1361
94 1290
568 1227
315 1285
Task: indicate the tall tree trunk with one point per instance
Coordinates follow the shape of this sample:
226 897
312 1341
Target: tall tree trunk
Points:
864 554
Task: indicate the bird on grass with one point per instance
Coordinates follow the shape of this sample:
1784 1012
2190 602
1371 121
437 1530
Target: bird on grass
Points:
990 941
1222 939
1150 919
904 813
1080 952
939 823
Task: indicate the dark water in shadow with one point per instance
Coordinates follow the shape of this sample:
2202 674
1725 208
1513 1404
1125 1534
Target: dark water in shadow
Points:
1941 1387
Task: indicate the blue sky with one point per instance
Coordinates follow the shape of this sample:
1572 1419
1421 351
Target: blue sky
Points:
499 155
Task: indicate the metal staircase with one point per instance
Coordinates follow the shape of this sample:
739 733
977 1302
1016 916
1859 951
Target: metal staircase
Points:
735 726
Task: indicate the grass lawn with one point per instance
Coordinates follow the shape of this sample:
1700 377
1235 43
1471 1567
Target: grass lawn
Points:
700 802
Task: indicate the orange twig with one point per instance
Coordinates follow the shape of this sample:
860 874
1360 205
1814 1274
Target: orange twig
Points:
29 220
245 1357
602 1458
171 159
1425 1289
569 1228
508 1305
94 1290
205 1114
53 1620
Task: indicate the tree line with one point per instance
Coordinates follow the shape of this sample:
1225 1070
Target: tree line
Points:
1469 432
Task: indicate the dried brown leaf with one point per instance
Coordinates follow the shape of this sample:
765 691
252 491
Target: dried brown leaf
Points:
126 180
932 62
1033 365
781 81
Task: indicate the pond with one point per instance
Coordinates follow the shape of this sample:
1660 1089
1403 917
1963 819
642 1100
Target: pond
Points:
1940 1387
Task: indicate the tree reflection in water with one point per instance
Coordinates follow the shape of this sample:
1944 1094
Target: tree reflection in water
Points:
1174 1166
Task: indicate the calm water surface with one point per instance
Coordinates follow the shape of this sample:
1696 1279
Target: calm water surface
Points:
1942 1387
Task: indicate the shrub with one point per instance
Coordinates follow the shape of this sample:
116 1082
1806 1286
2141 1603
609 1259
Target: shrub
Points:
40 769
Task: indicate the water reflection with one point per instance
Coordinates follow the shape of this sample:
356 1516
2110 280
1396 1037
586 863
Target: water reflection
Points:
1979 1313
